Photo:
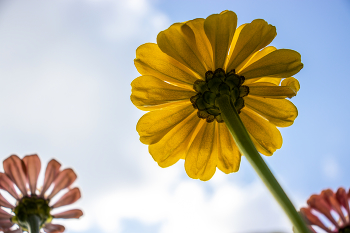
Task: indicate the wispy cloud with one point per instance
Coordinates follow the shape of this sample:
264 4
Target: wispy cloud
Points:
66 68
185 205
331 168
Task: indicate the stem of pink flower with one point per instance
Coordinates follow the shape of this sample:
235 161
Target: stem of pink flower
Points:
247 148
33 223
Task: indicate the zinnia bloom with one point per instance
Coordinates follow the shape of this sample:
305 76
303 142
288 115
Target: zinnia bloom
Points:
191 64
333 206
20 181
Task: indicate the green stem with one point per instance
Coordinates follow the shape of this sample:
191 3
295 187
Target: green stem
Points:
247 148
33 223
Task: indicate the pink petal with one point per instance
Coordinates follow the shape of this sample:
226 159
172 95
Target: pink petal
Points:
53 228
15 169
320 204
69 198
52 170
4 215
69 214
7 185
329 196
343 199
5 203
6 224
33 166
63 180
312 219
311 229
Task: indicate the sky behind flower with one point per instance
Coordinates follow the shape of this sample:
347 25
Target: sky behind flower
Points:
65 73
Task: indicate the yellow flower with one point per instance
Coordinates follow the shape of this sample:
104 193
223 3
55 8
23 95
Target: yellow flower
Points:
191 64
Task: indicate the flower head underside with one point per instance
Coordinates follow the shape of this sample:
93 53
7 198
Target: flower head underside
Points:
190 66
20 181
334 209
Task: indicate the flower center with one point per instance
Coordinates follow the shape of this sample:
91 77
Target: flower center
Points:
31 206
345 229
216 84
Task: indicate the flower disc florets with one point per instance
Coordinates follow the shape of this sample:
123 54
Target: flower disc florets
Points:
32 205
345 229
32 209
218 83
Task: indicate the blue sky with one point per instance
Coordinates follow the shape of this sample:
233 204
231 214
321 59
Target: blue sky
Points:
65 73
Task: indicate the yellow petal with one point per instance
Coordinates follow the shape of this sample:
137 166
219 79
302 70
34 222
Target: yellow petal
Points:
202 42
264 133
229 157
150 60
281 63
220 29
275 81
292 83
148 91
252 38
270 90
201 158
256 56
175 143
154 125
233 44
173 42
280 112
261 149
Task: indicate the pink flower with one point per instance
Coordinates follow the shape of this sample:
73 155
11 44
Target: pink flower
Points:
331 206
22 175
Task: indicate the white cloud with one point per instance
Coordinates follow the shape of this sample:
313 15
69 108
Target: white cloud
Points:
330 167
55 67
126 19
62 77
57 99
179 205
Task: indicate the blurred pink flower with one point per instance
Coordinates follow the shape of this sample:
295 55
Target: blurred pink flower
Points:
332 206
20 181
